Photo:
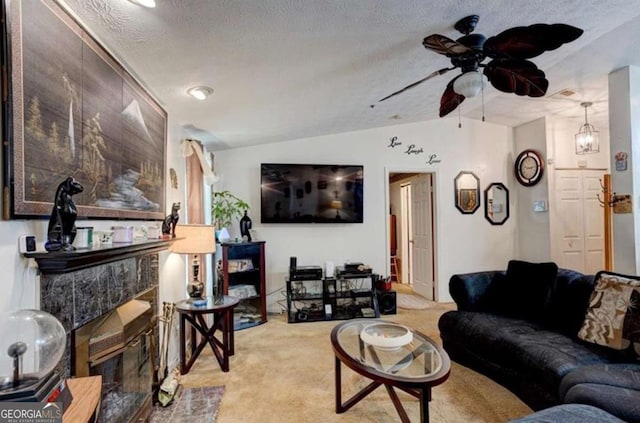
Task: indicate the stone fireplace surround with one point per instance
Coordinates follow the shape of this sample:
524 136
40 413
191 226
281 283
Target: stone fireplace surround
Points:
79 286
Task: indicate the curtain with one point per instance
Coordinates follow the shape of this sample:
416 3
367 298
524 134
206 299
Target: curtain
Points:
198 172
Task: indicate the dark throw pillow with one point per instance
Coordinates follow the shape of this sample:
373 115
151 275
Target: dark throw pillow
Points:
527 289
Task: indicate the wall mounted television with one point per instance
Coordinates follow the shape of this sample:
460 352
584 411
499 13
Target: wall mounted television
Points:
311 193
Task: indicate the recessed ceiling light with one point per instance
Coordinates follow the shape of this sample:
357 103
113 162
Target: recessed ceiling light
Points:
200 93
144 3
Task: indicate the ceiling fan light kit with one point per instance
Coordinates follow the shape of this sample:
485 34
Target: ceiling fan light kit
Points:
200 93
469 84
587 138
508 70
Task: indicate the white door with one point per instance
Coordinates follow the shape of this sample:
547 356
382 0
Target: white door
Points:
576 221
593 223
422 235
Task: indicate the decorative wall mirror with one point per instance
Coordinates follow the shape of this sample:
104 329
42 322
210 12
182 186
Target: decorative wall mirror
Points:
467 192
496 203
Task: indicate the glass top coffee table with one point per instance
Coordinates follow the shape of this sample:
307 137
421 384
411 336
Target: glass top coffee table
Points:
391 355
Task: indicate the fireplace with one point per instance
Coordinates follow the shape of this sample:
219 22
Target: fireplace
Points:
118 346
90 293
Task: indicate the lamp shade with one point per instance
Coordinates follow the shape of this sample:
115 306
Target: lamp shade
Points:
469 83
194 239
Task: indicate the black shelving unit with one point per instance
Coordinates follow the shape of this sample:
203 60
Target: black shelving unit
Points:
243 269
347 296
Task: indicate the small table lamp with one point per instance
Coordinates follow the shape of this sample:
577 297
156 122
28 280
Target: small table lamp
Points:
194 239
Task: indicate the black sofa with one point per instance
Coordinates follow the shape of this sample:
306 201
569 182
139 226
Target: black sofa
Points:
520 326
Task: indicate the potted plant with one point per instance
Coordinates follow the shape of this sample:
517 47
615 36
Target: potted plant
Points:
226 207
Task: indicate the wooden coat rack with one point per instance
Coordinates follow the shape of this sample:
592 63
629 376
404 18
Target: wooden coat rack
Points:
608 203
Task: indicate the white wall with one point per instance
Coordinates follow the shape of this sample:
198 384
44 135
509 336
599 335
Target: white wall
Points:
465 242
533 227
624 107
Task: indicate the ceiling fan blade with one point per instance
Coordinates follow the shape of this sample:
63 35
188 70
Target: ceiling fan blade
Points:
521 77
450 99
431 75
444 45
525 42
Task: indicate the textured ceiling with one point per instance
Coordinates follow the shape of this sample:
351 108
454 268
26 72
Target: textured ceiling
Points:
287 69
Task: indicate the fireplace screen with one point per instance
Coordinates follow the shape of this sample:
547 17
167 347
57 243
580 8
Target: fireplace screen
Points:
126 381
118 347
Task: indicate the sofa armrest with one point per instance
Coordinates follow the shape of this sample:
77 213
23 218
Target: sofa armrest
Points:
474 291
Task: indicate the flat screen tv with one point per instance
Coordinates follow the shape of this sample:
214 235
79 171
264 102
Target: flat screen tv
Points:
311 193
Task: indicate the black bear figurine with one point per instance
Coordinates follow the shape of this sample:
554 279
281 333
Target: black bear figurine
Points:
62 228
170 222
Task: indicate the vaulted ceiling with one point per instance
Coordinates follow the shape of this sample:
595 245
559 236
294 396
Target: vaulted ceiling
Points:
287 69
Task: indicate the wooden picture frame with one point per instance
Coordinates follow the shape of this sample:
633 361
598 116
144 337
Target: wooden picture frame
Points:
70 109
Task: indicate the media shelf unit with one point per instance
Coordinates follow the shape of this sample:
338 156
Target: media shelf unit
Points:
243 272
347 296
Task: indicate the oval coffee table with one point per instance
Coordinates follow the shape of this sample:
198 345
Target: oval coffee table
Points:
414 368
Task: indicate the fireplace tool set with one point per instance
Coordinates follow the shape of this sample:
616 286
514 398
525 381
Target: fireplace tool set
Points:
165 385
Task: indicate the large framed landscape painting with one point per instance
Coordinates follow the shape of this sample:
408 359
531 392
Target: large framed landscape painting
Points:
73 110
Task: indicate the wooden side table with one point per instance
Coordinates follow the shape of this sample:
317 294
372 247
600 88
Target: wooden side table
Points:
87 393
222 321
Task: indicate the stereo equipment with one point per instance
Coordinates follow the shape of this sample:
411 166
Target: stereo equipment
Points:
386 302
352 267
306 273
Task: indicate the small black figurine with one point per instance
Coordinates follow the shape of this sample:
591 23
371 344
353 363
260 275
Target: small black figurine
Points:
217 287
170 222
62 229
245 225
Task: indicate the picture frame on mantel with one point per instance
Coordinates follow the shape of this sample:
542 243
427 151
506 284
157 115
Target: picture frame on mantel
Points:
73 110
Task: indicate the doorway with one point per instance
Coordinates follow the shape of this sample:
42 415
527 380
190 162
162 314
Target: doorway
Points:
412 230
576 220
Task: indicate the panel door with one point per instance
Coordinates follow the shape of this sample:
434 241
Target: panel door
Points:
422 236
577 226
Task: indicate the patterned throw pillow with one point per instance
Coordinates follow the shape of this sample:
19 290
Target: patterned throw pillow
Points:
613 315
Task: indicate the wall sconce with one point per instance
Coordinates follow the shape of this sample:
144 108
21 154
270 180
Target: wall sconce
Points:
200 93
587 138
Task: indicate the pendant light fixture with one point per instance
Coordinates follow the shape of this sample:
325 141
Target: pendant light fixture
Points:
587 138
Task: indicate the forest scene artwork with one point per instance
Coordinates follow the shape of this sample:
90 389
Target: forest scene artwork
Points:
76 112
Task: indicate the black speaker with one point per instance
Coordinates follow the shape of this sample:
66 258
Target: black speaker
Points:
386 302
293 263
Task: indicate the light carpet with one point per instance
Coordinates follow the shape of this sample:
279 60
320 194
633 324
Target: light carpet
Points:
412 301
284 373
190 404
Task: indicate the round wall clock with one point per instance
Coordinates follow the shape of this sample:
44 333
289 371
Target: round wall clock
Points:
529 167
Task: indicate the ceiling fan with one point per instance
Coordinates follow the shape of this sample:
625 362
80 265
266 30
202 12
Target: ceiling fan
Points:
508 71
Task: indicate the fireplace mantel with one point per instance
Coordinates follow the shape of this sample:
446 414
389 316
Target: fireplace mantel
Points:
66 261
